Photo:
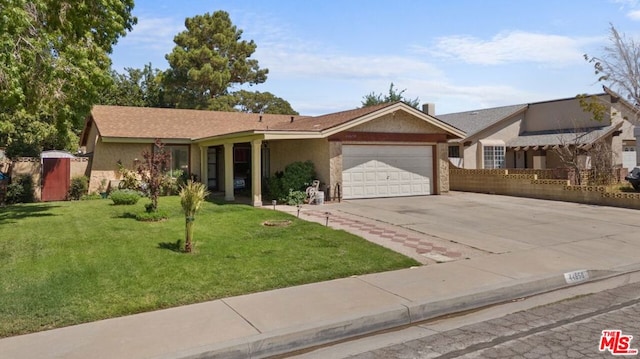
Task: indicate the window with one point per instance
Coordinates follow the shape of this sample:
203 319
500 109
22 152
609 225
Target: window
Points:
179 158
454 151
493 157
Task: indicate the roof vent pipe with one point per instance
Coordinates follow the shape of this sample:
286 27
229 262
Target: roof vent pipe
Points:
260 119
291 119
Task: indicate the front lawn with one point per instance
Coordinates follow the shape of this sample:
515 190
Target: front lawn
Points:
65 263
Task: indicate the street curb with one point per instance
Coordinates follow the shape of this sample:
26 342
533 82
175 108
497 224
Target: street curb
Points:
287 340
299 337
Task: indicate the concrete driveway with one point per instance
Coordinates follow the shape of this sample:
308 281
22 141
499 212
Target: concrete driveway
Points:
502 224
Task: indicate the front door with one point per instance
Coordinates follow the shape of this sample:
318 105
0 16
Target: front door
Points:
521 159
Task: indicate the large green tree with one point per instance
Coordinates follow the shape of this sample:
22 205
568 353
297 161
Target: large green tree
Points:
208 59
262 102
53 62
135 87
392 96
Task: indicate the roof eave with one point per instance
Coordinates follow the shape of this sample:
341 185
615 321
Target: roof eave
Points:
116 139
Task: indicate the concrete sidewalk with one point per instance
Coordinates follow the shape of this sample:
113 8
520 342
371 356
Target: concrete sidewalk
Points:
269 323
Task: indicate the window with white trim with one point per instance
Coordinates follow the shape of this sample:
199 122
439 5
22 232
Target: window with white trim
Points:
493 156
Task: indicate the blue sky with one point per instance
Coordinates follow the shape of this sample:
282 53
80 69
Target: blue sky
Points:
325 56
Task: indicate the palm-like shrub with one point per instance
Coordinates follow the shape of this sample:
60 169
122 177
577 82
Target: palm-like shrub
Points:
192 195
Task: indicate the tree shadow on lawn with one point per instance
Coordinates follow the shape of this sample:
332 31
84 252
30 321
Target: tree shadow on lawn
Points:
14 213
127 215
175 247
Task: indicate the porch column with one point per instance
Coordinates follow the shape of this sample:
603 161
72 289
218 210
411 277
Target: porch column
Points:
256 172
228 172
204 173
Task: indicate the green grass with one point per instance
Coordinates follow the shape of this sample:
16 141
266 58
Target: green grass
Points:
66 263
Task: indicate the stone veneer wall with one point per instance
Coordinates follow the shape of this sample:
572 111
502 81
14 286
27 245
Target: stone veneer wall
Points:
528 185
442 173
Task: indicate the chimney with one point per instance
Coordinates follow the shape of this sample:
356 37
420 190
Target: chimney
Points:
260 119
429 109
291 119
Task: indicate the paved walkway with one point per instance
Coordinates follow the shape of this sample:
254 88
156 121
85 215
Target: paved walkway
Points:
422 247
481 264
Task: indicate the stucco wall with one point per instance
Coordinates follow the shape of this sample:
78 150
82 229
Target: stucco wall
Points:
469 156
556 115
29 166
553 160
472 154
92 138
335 168
284 152
398 122
79 167
106 156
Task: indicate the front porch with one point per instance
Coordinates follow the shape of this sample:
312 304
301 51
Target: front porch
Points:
228 165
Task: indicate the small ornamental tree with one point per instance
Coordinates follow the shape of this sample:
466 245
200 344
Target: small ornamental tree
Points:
192 195
152 169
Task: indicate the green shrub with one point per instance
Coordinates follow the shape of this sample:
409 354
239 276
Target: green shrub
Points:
78 188
172 182
295 177
129 180
20 190
155 216
125 197
295 198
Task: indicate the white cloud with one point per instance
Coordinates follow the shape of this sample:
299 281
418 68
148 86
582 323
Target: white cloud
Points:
154 33
307 64
634 15
513 47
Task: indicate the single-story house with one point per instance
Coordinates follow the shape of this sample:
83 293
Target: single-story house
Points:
525 135
379 151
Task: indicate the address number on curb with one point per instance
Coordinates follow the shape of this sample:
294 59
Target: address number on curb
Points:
576 276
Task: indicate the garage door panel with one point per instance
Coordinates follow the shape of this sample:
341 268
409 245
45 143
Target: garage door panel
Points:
371 171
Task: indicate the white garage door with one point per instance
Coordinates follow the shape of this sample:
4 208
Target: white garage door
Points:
386 171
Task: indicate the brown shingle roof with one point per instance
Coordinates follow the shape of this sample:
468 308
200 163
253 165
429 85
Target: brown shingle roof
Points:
150 123
324 122
146 122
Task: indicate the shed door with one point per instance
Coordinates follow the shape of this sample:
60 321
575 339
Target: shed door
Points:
370 171
55 178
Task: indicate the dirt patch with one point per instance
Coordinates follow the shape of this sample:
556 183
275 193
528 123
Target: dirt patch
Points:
277 223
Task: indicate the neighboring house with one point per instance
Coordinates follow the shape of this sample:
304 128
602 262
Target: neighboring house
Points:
379 151
524 136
